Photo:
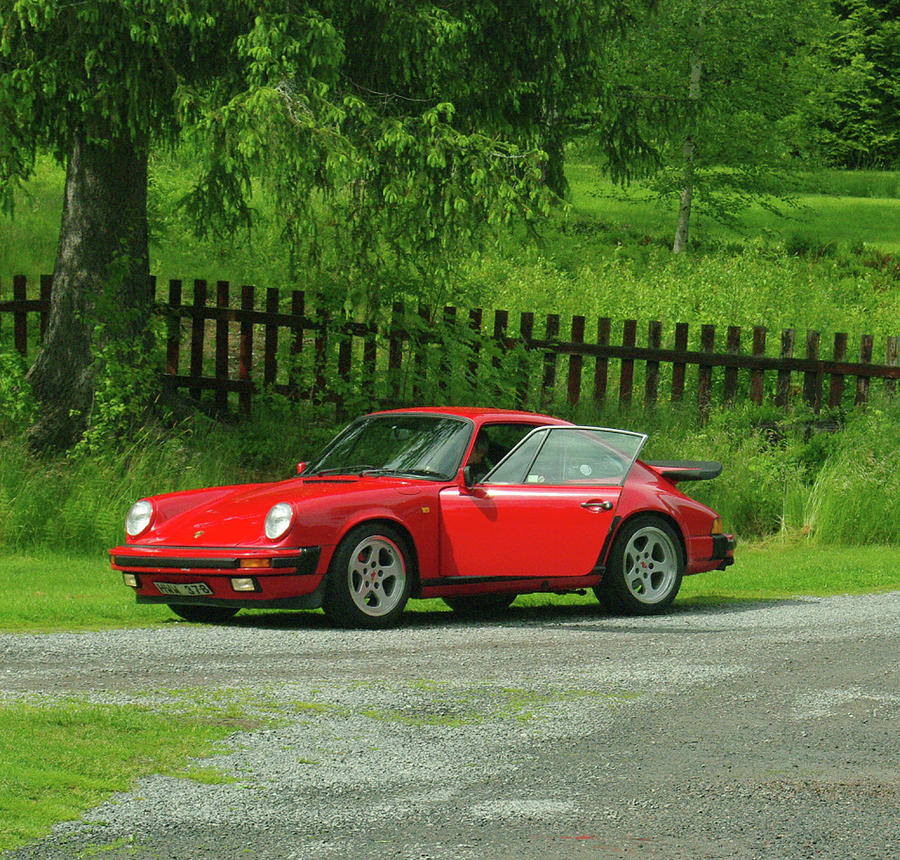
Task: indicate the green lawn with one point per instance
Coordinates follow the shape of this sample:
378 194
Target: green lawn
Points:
60 759
839 218
51 591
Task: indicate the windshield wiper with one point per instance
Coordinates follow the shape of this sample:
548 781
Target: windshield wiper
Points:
341 470
415 473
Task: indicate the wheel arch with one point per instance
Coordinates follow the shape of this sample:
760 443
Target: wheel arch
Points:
402 530
649 512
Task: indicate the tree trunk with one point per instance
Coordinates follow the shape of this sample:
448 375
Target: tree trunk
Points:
553 144
687 184
101 283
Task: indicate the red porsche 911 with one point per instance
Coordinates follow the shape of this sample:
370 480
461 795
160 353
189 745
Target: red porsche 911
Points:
471 505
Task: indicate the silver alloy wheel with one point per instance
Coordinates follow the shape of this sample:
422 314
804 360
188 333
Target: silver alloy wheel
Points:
650 565
376 575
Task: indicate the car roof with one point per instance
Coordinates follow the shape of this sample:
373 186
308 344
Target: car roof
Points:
479 414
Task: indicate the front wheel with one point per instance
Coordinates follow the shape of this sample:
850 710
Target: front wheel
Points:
645 568
368 579
203 614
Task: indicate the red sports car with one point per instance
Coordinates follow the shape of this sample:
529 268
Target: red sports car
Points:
471 505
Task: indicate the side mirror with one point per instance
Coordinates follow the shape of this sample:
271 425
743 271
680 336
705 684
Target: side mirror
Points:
464 481
300 468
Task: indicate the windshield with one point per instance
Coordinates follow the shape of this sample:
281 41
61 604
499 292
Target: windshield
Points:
416 445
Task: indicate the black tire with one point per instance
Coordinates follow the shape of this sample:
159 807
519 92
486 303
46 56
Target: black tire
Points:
369 578
644 569
203 614
480 605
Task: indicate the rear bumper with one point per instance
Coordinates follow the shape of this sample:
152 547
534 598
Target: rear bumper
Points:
723 550
223 576
710 552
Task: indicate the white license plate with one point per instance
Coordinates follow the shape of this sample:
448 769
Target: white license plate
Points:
185 589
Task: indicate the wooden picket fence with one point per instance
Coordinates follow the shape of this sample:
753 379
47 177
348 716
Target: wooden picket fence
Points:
270 340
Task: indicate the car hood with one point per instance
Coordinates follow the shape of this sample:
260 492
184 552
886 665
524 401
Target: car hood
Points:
235 516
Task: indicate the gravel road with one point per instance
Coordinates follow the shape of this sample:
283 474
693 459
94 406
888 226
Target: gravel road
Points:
753 730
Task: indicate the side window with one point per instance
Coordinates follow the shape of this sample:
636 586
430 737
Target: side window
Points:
513 469
579 457
493 443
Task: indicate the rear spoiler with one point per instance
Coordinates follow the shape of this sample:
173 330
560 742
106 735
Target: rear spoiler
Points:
687 470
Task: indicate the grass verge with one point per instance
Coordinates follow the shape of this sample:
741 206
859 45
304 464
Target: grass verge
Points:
53 592
61 759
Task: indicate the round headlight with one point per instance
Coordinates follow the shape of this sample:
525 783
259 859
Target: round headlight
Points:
279 520
138 517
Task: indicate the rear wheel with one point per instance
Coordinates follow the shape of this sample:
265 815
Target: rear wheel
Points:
481 605
369 578
645 568
203 614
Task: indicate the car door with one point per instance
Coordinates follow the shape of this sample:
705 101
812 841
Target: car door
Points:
543 512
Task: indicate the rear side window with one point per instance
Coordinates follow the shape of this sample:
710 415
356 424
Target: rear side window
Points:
557 456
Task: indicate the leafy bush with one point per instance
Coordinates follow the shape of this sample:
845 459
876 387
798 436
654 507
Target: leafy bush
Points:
17 409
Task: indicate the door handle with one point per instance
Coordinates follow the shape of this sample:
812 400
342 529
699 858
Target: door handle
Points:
597 505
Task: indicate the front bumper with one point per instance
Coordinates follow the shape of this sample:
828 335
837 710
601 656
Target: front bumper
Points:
210 576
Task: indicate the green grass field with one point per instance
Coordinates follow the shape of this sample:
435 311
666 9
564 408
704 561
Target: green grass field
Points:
60 759
844 207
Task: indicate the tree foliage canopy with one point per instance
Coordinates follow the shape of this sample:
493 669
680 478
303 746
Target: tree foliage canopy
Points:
729 77
354 117
854 110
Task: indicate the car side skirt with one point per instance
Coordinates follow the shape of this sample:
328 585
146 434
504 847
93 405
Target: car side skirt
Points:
450 585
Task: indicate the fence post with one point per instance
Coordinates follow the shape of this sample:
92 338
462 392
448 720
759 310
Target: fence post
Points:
270 342
757 376
526 330
369 355
198 331
679 367
445 365
345 354
704 371
732 347
836 391
222 290
573 392
20 317
320 355
548 382
865 357
783 389
601 364
812 379
891 353
395 353
173 328
246 359
475 351
626 370
651 385
419 338
501 321
295 374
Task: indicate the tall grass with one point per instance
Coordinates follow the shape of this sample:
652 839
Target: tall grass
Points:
781 473
78 503
745 289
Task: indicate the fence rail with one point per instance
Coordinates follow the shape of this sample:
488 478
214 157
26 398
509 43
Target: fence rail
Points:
271 340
